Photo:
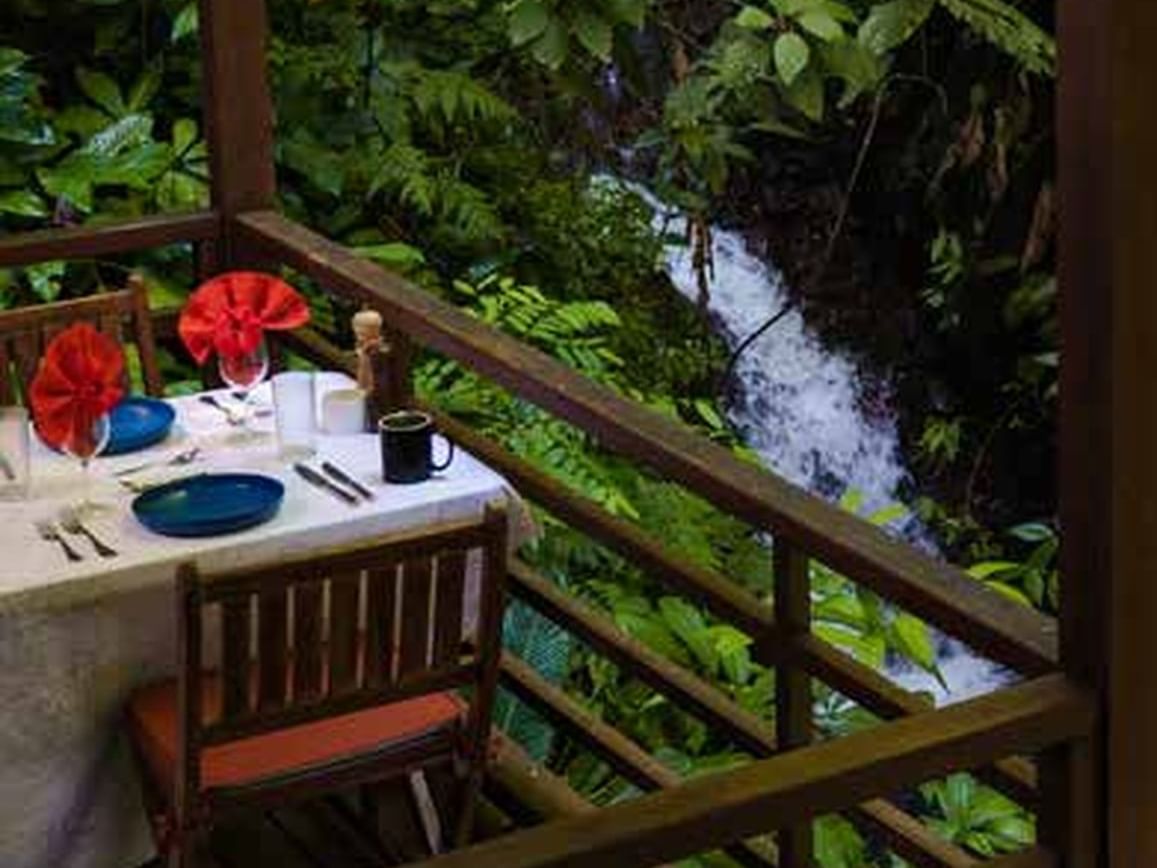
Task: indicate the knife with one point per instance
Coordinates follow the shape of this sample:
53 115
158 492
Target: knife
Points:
344 478
314 478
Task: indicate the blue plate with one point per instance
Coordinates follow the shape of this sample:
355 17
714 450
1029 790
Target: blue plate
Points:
209 504
137 423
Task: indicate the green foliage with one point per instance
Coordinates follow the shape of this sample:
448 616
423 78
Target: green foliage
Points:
1034 580
977 817
555 30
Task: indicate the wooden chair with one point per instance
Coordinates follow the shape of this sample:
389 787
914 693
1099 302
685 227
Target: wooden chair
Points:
24 333
335 670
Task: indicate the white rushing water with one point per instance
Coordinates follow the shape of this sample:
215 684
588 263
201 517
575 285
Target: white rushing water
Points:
800 406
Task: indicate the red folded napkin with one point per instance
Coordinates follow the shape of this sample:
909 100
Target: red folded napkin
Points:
230 312
80 378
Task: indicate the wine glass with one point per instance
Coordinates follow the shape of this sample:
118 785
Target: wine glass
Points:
85 443
241 373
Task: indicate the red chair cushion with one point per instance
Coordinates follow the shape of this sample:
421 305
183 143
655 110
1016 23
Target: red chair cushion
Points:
153 718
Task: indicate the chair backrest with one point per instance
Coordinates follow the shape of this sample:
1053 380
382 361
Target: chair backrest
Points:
26 331
340 631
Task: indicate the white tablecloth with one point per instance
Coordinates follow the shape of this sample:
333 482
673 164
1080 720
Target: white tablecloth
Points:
76 638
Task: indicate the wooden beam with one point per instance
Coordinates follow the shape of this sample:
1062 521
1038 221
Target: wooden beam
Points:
623 755
707 812
1107 135
1037 857
793 686
955 602
535 789
720 595
238 116
105 239
1016 777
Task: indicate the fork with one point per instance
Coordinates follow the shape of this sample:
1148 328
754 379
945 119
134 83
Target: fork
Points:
188 456
212 401
70 523
49 532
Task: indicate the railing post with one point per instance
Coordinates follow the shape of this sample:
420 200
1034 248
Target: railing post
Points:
793 696
400 392
1102 797
238 120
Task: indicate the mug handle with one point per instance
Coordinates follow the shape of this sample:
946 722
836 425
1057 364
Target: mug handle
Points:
438 468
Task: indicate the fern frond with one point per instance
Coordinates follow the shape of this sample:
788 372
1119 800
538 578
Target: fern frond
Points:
1009 29
454 97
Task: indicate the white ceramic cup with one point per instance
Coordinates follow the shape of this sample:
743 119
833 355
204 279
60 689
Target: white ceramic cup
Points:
343 411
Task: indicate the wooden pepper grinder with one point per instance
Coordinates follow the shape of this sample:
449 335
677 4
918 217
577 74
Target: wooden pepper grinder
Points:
373 365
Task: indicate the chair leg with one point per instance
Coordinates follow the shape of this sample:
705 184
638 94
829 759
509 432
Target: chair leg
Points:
471 790
427 811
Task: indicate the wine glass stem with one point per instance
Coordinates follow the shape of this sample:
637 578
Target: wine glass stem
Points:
86 503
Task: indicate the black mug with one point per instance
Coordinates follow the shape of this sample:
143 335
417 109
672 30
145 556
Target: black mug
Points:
407 450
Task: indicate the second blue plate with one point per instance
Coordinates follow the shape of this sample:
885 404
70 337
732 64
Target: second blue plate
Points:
137 423
209 504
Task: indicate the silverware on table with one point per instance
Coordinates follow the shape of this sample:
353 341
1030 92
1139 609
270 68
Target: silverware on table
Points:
212 401
50 533
318 481
70 523
236 415
345 479
185 457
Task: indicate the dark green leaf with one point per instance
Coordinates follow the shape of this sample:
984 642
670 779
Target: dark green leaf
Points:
102 90
893 23
23 203
528 20
753 18
594 33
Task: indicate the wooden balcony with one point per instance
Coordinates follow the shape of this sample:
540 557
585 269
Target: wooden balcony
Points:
1040 741
794 775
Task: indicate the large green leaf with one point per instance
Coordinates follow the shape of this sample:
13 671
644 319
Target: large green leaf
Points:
551 48
806 94
23 203
893 23
594 33
102 90
527 21
819 22
631 12
791 56
754 18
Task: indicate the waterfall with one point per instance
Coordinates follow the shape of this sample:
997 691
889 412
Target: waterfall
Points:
800 406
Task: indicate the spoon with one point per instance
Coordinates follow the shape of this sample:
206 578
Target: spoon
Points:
188 456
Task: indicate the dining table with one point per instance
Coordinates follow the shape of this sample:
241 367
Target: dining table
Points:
77 637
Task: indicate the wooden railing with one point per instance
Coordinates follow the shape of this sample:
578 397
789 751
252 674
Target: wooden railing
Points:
795 774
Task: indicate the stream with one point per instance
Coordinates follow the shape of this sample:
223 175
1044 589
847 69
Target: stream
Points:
802 408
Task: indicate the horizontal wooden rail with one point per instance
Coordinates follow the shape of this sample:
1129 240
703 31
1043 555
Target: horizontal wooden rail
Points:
722 597
526 789
1014 635
692 694
708 812
1014 776
1037 857
84 242
902 832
